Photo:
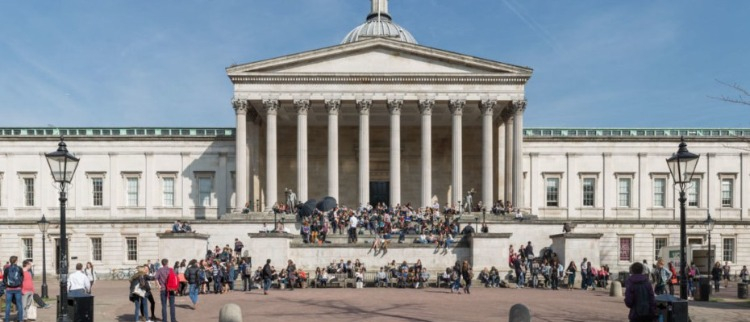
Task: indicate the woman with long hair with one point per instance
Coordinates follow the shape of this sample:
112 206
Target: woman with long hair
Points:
571 271
468 275
91 274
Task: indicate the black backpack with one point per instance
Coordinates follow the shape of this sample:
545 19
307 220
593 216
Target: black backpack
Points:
14 277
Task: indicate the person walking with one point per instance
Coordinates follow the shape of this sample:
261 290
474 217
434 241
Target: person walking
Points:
266 273
716 275
27 291
90 274
725 270
168 283
193 278
139 288
639 296
584 270
673 279
13 282
246 273
78 283
468 275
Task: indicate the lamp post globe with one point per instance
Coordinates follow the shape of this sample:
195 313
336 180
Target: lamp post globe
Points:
62 165
43 226
682 167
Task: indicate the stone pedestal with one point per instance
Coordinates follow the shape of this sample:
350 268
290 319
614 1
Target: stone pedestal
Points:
576 247
174 246
273 246
482 245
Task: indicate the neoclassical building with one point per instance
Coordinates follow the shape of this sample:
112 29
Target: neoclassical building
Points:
377 118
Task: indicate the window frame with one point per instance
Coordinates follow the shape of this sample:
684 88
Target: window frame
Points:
128 257
163 176
662 193
594 195
199 198
725 249
629 258
630 177
94 248
552 192
24 176
657 249
92 176
127 177
27 247
694 190
732 179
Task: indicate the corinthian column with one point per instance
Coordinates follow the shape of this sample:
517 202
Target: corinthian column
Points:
302 106
363 106
425 108
332 106
487 108
508 119
518 108
240 109
394 108
457 108
272 109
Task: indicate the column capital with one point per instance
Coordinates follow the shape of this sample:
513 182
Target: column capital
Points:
518 106
425 106
363 106
487 107
333 106
456 106
271 106
302 106
240 106
394 106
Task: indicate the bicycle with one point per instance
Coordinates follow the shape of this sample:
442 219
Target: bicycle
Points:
123 273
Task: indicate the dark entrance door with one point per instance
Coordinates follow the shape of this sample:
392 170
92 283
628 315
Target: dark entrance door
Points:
380 191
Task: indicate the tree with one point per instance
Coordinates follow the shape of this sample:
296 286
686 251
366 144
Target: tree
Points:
742 94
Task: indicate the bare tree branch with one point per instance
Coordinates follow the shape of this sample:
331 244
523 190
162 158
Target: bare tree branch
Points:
742 98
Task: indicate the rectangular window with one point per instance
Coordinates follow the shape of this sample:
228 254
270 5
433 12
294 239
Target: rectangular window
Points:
553 192
132 243
97 189
726 192
659 242
728 250
28 248
96 248
132 192
660 190
626 251
589 186
1 189
204 190
168 191
694 193
28 188
623 192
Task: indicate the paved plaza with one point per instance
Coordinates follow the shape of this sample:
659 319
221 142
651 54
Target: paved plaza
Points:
387 304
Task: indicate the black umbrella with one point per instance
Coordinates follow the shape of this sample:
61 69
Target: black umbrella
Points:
327 204
307 209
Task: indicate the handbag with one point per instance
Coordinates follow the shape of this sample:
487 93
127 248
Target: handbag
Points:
137 290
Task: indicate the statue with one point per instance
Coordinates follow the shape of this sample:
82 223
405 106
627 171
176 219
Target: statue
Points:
467 200
291 199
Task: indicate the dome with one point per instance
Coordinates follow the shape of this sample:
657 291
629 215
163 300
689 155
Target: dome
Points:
379 24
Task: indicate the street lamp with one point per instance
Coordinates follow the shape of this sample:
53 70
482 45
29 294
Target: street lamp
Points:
476 223
43 226
682 166
709 227
63 166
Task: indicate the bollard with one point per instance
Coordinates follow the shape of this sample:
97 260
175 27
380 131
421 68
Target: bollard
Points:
230 313
616 289
519 313
742 290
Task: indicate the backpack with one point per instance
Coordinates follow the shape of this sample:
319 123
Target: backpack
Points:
172 282
14 278
642 307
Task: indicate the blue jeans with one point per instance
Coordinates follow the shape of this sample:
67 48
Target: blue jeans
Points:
193 293
170 296
141 303
266 284
9 296
584 279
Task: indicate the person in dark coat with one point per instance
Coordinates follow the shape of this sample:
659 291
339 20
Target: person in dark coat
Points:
636 287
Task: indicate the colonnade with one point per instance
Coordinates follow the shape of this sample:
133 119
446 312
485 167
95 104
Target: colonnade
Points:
511 118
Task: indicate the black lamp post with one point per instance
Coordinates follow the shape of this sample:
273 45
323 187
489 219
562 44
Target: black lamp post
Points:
709 227
476 224
43 226
63 166
682 166
484 214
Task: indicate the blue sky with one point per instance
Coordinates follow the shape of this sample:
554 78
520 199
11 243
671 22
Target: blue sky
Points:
597 63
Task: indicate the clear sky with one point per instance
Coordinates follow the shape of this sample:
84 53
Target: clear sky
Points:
597 63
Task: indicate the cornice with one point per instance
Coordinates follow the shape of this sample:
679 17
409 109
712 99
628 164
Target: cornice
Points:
380 79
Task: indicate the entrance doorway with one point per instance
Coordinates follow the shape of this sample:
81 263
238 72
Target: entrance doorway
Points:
380 191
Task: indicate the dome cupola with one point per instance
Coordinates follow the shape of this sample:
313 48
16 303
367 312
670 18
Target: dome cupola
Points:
379 24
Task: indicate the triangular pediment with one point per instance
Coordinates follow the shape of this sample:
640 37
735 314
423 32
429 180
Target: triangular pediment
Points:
378 56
